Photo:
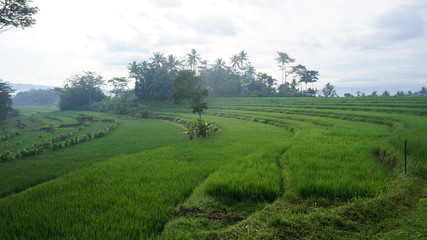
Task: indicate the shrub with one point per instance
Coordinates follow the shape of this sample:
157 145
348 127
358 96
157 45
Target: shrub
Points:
200 128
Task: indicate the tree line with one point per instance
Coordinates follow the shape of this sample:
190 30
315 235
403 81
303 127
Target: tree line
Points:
154 80
237 77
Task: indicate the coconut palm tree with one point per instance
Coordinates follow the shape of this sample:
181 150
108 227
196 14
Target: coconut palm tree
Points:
203 65
250 72
298 72
172 63
243 57
158 60
235 61
192 59
283 59
219 64
310 76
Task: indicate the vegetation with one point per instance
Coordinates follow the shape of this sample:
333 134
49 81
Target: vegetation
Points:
5 100
200 129
299 168
81 91
16 13
189 86
131 136
36 97
139 190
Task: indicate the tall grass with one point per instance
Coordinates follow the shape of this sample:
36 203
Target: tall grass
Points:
254 177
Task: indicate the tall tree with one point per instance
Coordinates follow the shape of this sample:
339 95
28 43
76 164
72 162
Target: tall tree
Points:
158 60
423 91
80 91
243 57
16 13
172 63
5 100
219 64
249 74
299 71
235 61
309 76
329 90
119 85
283 59
193 58
203 65
187 85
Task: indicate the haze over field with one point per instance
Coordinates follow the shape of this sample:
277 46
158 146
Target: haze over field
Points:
356 45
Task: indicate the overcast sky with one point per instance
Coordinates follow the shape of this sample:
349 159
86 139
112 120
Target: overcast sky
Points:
356 45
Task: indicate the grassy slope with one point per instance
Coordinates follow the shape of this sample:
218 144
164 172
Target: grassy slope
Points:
399 208
114 199
130 196
131 136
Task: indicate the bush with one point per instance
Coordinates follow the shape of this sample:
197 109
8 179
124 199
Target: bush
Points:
200 128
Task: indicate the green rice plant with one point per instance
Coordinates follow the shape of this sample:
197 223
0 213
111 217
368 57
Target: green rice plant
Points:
131 136
129 196
254 177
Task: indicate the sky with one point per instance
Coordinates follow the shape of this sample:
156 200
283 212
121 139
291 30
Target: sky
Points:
361 45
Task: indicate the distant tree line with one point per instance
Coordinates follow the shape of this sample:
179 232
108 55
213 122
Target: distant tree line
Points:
153 77
422 92
81 91
36 97
154 80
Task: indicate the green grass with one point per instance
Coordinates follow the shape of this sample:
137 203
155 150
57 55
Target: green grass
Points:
333 159
129 196
131 136
255 177
28 111
292 168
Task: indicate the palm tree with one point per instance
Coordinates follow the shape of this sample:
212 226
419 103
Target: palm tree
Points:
310 76
203 65
235 61
284 59
250 72
219 64
193 58
298 71
243 58
158 60
172 63
144 65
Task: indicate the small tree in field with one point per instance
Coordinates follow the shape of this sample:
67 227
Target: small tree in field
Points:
189 86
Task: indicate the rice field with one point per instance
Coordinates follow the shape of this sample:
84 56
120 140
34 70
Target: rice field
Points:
159 185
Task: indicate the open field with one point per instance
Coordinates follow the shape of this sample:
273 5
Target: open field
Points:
299 168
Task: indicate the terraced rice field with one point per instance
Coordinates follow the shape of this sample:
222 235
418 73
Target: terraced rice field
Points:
145 180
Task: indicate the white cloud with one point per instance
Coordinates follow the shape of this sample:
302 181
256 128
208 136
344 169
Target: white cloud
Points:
360 42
